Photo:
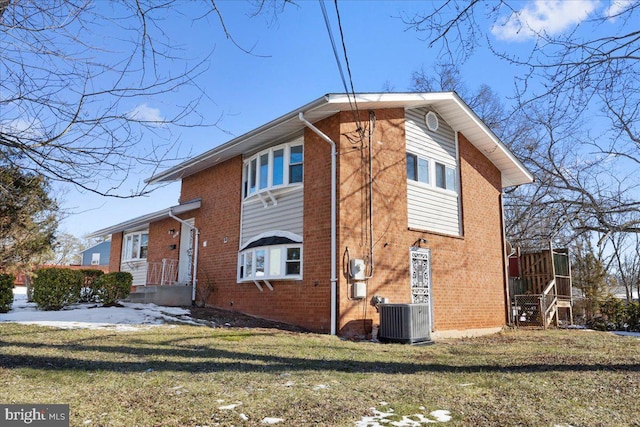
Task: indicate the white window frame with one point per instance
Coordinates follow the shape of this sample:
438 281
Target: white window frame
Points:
127 249
95 258
251 173
251 254
431 181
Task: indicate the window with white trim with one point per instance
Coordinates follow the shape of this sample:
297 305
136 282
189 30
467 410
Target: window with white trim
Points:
135 246
277 262
275 167
431 172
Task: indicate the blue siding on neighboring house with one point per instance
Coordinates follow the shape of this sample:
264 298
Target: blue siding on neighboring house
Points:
102 249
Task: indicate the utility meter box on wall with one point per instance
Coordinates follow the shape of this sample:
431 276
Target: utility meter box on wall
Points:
356 269
360 290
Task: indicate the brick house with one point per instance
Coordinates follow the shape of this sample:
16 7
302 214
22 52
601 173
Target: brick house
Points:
417 179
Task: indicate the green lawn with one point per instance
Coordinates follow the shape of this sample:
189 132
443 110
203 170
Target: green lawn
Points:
197 376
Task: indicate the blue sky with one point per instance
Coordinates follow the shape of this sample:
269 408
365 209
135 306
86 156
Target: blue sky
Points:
293 63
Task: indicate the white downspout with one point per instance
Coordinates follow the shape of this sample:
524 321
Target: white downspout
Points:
334 278
194 278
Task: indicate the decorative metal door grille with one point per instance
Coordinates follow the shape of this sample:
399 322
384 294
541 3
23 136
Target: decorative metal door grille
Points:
421 276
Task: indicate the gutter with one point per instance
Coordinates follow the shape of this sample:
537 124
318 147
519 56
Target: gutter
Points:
334 278
194 277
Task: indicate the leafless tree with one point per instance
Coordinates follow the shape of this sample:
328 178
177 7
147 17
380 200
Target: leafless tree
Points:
79 80
531 220
566 82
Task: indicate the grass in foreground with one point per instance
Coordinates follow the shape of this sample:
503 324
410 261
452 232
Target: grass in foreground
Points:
197 376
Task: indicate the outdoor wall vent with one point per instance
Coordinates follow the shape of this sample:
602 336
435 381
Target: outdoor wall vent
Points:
431 119
405 323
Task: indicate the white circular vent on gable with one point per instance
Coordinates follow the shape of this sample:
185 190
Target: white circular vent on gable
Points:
431 120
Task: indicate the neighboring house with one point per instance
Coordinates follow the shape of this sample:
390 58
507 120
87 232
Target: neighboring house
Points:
97 254
416 216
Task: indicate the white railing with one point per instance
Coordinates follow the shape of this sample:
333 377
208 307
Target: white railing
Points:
163 273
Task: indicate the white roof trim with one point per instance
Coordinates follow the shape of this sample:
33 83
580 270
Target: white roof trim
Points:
144 220
448 104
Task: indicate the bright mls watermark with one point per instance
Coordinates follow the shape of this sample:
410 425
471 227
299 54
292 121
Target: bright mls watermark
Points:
34 415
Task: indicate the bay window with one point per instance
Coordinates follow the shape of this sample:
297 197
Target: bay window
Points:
273 168
279 262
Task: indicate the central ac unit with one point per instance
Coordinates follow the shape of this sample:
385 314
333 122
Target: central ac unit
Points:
405 323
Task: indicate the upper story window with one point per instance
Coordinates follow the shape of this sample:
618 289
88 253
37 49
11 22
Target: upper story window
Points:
135 246
275 167
431 172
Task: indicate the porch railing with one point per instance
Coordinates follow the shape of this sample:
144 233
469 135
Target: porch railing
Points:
163 273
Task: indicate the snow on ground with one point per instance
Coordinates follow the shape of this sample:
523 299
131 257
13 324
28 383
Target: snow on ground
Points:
131 317
381 418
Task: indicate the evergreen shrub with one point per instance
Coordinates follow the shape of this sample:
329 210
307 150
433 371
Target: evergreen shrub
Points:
6 292
111 287
90 277
56 288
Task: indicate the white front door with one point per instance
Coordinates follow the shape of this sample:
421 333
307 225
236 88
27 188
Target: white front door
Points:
185 263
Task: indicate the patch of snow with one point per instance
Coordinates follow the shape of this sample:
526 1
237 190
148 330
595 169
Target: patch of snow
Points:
244 417
441 416
627 334
271 420
375 420
228 407
130 317
289 384
320 387
380 419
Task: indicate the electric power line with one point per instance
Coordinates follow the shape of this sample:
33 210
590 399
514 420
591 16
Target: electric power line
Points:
353 105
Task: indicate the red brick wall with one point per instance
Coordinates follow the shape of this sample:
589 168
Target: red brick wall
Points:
305 302
116 252
467 271
160 240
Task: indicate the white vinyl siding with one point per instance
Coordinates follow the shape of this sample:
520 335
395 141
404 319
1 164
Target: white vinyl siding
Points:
431 208
286 215
138 270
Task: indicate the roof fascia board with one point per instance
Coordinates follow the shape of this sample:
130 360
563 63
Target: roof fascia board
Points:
173 173
499 144
146 219
407 99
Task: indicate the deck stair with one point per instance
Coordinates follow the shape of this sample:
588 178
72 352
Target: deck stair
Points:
541 291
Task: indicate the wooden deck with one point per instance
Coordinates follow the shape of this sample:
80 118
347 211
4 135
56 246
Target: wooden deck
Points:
541 293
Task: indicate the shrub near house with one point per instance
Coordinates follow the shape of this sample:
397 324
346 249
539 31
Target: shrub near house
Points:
6 292
89 284
56 288
111 287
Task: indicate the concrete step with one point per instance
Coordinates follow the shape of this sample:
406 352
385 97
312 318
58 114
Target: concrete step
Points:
170 296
